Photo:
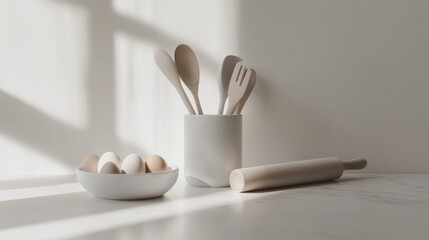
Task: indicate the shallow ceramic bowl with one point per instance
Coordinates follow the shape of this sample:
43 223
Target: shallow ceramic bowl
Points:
128 186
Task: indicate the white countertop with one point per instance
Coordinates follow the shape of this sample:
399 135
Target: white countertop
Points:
357 206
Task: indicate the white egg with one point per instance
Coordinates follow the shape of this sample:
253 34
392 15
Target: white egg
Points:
90 163
133 164
109 157
109 167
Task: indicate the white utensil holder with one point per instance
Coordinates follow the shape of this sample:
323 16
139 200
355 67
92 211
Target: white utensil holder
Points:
212 149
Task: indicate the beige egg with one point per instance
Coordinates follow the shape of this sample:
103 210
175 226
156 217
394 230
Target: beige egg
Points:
155 163
90 163
109 167
109 157
133 164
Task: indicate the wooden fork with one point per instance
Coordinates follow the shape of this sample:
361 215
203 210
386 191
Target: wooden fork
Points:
237 86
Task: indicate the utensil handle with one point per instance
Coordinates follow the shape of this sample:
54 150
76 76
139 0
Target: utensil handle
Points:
222 100
198 103
357 163
231 107
238 108
186 101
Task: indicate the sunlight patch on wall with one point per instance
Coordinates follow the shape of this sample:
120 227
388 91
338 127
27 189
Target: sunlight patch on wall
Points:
17 159
44 58
148 110
136 9
211 30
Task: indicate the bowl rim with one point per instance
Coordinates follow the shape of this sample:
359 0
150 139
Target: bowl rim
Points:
173 168
212 115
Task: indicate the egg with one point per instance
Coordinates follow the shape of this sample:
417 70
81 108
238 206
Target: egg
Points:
90 163
133 164
155 163
109 167
109 157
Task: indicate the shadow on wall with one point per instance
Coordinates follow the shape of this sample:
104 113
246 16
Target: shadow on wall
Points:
58 140
39 131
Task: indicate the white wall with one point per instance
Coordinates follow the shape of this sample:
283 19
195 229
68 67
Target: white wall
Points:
335 78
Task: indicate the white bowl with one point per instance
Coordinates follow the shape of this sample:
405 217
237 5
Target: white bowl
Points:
128 186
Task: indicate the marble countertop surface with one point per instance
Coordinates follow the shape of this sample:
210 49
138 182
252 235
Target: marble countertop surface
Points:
357 206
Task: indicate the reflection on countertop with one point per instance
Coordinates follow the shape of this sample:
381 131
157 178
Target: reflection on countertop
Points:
357 206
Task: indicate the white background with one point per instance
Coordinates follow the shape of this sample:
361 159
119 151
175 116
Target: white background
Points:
335 78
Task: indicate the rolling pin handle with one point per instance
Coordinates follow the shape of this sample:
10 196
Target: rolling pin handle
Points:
357 163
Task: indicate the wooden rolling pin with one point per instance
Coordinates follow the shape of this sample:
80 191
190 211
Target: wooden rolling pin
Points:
291 173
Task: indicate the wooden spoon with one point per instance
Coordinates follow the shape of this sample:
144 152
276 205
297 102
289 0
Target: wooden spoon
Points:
168 68
189 71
